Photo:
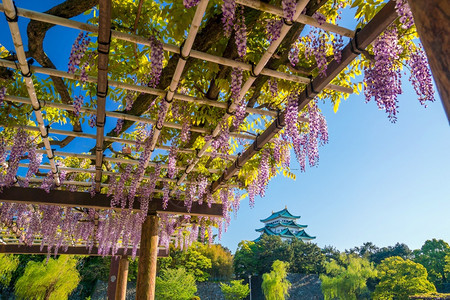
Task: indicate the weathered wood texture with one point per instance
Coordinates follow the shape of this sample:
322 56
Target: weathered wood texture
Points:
112 279
100 201
145 289
122 276
432 18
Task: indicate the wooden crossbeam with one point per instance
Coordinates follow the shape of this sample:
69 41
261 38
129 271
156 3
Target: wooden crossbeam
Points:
73 250
101 201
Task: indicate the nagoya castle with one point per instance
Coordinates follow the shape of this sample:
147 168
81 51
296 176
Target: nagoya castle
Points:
284 224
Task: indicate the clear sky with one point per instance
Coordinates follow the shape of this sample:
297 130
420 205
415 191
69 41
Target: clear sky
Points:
376 181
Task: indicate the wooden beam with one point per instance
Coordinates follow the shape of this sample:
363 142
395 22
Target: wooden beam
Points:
101 201
145 289
104 39
432 23
367 35
77 250
112 279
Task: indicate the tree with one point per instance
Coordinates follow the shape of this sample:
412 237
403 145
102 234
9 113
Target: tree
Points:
432 257
257 258
400 278
54 279
236 290
8 264
192 260
307 258
348 281
175 284
221 260
399 249
275 285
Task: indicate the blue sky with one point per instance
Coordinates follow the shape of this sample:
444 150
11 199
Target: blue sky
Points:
376 181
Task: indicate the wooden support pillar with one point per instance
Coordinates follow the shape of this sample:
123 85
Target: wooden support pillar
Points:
432 22
148 253
122 277
112 280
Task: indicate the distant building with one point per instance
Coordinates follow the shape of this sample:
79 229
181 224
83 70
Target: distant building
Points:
284 224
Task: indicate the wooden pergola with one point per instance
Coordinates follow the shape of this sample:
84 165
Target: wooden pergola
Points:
148 249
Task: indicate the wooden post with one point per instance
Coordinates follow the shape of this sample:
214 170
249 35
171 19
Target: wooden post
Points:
148 253
122 277
432 23
112 281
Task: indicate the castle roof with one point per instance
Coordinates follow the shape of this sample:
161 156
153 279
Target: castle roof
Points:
280 214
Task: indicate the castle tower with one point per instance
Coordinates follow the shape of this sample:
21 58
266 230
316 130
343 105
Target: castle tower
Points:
284 224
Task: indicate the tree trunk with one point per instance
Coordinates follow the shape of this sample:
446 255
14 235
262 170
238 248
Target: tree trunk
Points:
433 26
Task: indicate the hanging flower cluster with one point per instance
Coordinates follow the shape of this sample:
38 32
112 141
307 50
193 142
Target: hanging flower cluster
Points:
305 144
2 94
273 86
316 47
172 161
404 12
35 161
156 57
288 9
190 3
92 121
273 29
338 45
421 76
293 53
240 32
383 78
236 84
228 11
77 104
185 134
77 53
18 150
220 142
119 126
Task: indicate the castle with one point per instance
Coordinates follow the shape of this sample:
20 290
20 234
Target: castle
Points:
282 223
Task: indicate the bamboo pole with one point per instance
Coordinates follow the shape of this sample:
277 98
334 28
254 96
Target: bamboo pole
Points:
103 41
107 173
117 140
245 88
145 289
304 19
121 289
123 116
10 13
109 159
167 47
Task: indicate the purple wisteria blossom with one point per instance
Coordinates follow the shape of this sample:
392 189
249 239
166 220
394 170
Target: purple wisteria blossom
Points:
190 3
421 76
240 32
2 94
273 29
77 53
228 12
236 84
156 57
383 78
77 104
404 12
288 9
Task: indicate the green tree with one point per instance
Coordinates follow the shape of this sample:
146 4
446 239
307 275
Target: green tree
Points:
275 285
236 290
54 279
400 278
221 260
8 264
432 257
398 249
192 260
347 282
175 284
307 258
